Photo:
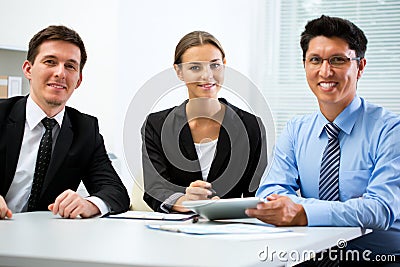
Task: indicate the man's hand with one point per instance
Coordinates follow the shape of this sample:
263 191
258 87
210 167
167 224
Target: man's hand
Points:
280 211
5 212
70 204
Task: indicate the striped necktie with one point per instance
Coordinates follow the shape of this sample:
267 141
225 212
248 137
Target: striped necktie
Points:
329 173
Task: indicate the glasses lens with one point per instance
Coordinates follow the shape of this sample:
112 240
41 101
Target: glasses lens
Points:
338 61
315 62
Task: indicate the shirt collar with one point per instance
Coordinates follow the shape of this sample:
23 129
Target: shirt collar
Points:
34 114
345 120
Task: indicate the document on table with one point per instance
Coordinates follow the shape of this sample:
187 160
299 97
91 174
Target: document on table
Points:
145 215
214 229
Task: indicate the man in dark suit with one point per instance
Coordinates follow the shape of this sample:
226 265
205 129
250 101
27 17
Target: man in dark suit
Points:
32 180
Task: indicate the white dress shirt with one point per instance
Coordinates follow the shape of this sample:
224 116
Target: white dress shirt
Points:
18 195
206 154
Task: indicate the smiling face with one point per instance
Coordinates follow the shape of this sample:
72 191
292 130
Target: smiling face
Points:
202 69
334 87
54 75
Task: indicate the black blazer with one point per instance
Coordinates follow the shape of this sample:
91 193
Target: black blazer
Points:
79 154
170 161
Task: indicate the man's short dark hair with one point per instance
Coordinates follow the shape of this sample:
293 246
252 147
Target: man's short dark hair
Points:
54 33
335 27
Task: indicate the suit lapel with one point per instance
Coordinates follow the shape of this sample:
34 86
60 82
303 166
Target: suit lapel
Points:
186 144
177 123
228 135
61 148
14 135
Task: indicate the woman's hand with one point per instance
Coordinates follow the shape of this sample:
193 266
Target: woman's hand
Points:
197 190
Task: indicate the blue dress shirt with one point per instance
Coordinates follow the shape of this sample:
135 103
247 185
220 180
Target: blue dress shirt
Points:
369 173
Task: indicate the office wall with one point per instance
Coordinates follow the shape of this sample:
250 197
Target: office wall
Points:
10 65
128 42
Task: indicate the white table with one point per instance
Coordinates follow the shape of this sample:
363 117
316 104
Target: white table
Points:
42 239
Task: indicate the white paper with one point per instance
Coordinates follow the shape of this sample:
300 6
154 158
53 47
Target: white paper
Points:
216 229
146 215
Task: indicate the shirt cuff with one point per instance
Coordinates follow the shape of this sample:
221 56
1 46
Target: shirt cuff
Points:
167 205
100 204
318 214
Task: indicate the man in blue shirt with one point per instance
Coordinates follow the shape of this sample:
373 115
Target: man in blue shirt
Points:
363 180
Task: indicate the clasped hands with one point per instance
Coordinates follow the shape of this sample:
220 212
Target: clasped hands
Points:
68 204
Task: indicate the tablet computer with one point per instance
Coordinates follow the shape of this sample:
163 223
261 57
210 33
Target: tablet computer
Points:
230 208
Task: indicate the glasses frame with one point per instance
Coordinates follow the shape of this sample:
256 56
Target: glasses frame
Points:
329 59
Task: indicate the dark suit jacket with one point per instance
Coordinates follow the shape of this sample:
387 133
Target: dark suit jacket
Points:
79 154
170 161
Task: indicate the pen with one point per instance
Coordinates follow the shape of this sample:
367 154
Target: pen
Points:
213 193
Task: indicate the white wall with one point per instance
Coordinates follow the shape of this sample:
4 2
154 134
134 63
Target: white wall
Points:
128 42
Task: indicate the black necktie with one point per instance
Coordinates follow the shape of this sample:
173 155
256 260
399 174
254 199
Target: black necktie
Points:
42 163
329 173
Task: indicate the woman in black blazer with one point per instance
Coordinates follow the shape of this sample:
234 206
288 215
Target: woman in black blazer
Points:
206 144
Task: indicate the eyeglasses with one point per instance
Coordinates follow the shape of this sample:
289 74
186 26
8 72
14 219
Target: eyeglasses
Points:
334 61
